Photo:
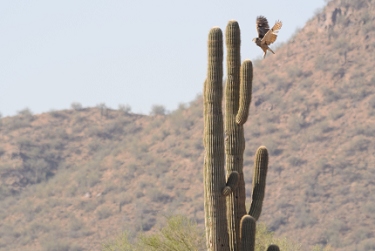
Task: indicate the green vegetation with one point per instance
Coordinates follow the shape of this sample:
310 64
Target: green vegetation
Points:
157 110
182 234
76 106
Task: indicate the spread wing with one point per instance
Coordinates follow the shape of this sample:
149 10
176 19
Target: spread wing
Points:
262 26
271 34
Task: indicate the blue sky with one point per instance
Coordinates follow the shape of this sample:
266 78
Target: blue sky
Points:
140 53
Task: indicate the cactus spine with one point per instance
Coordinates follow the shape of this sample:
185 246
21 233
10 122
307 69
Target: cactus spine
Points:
228 226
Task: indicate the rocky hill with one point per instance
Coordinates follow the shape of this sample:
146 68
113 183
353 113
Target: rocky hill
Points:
73 179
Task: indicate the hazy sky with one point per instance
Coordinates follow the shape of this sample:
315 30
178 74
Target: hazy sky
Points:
140 53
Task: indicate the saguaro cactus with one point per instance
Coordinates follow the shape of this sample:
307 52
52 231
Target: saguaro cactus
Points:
237 91
228 226
214 173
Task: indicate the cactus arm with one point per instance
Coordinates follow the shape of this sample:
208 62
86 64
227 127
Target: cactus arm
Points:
259 181
246 77
273 248
248 230
232 183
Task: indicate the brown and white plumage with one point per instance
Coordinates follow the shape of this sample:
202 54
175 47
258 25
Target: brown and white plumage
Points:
266 36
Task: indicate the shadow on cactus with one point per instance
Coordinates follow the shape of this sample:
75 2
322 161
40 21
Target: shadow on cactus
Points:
228 225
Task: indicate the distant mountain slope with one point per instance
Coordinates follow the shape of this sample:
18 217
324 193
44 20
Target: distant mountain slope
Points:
318 92
83 176
72 179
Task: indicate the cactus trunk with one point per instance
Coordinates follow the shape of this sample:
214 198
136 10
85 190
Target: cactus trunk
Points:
214 173
234 135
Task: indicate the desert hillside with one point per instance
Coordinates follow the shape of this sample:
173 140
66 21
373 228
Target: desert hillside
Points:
72 179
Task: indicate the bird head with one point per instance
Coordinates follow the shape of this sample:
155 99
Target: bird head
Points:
255 39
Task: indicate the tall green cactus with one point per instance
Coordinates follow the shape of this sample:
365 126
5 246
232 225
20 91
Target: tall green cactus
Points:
234 134
228 226
214 173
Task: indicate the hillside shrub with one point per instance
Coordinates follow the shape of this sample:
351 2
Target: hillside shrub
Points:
76 106
157 110
183 234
